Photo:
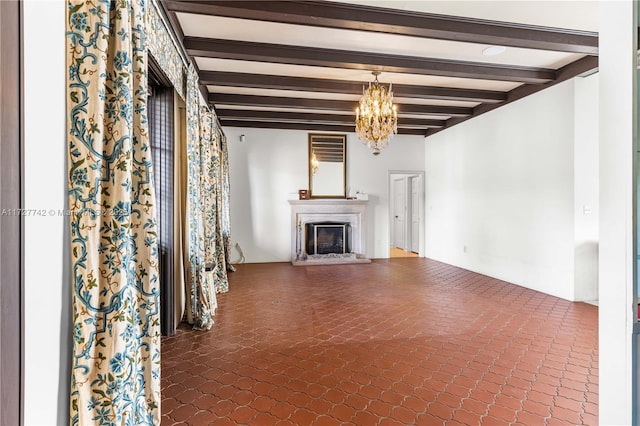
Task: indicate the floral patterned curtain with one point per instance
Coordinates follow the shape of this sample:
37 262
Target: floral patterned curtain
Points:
209 180
201 291
163 49
216 206
226 202
208 184
114 248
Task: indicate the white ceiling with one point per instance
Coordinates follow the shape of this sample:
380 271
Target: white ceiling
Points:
231 65
572 14
363 41
196 24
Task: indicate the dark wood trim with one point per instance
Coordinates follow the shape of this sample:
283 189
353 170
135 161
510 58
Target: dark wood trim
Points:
306 126
416 24
334 58
263 81
161 139
375 19
11 221
325 104
581 66
156 74
175 25
296 117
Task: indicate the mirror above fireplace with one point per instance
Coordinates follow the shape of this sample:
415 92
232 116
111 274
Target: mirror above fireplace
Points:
327 165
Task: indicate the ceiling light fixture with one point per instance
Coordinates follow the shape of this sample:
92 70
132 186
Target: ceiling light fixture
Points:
493 50
376 116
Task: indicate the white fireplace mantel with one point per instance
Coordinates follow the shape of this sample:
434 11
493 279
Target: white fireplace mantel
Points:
339 210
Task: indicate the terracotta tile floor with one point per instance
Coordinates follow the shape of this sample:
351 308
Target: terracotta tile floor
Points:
397 342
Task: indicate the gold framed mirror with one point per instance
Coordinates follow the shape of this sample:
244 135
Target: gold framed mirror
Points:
327 165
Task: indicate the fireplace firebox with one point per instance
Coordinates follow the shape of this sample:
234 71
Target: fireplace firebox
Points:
327 231
327 237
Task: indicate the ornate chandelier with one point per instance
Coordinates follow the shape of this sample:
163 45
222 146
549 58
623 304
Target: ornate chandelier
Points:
376 116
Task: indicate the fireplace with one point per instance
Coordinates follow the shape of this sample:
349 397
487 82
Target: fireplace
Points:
327 237
328 231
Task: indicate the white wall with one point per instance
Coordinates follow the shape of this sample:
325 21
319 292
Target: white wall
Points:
585 183
500 192
46 264
618 368
271 164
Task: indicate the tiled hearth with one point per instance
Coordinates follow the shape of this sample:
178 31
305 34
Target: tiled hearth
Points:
304 212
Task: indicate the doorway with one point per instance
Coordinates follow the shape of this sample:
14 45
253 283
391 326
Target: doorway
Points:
406 213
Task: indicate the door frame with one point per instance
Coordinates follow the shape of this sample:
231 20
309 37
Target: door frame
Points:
410 187
393 194
11 223
390 175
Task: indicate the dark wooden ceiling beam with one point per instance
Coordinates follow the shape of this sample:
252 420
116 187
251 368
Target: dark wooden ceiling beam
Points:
239 114
407 23
588 64
345 59
278 82
325 104
305 126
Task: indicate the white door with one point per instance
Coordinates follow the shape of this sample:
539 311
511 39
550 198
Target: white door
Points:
399 211
416 185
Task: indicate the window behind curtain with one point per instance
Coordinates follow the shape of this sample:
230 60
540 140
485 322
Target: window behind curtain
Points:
161 134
